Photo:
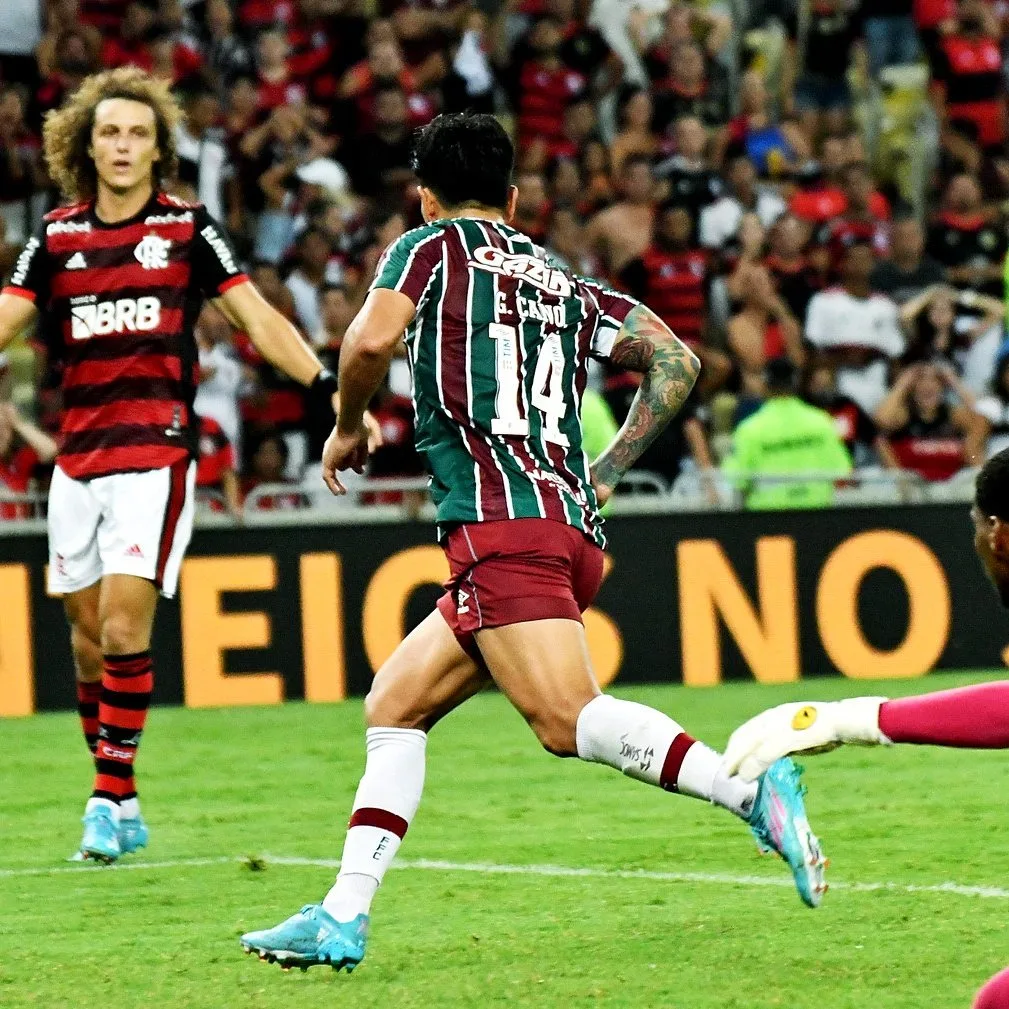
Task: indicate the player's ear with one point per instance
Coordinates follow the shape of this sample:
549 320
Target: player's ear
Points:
513 195
998 537
430 208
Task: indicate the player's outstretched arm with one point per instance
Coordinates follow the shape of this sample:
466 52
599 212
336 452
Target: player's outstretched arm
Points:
16 315
975 717
274 337
368 348
645 344
804 727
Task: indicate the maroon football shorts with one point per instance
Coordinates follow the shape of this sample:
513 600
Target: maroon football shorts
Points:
516 570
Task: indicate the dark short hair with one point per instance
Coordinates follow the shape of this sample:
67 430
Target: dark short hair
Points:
465 159
992 489
781 375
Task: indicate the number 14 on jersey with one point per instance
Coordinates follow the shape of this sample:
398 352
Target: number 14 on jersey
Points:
546 393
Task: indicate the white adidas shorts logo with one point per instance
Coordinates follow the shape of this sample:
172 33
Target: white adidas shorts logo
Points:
77 262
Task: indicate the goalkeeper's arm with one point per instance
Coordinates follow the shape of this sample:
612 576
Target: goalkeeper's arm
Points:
975 717
804 727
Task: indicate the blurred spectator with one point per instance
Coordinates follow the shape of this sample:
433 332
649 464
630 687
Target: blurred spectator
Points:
23 446
384 67
635 136
995 407
220 376
63 19
566 242
671 277
335 314
532 208
692 88
687 22
763 330
962 328
720 221
774 148
890 34
306 280
379 160
818 65
20 169
268 462
622 231
856 331
864 219
203 158
794 275
785 438
909 270
397 456
227 55
277 84
543 85
469 84
217 469
600 190
74 57
925 434
971 248
856 428
691 181
968 77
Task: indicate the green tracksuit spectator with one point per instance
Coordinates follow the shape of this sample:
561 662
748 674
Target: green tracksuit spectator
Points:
786 436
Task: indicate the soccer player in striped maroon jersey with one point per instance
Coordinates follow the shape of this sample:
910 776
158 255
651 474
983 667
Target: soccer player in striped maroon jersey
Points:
498 338
123 272
975 717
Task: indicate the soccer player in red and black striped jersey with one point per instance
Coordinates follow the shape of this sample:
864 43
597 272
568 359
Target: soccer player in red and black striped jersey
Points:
122 273
498 337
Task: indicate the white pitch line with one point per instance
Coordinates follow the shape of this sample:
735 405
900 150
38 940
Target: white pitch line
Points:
496 869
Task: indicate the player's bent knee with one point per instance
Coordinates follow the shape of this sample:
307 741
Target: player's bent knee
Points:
382 709
121 636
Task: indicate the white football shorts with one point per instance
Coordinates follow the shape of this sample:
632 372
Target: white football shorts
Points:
122 524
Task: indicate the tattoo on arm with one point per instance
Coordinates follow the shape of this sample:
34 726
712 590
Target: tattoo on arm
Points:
670 369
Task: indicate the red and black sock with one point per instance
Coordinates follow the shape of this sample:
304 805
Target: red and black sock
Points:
88 696
127 683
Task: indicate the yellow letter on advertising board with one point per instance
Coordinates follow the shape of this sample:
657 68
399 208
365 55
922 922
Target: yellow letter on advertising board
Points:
207 632
837 606
17 695
768 636
383 614
606 643
322 627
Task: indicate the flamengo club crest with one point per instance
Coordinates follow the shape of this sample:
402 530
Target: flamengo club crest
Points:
152 252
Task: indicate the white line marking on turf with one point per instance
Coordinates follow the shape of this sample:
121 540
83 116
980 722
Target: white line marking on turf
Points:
495 869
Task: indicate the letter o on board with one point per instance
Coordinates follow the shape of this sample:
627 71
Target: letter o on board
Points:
837 606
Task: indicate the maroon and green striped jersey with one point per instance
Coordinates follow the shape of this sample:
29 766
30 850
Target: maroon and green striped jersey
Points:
499 348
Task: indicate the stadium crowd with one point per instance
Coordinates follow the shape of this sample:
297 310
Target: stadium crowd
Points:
818 185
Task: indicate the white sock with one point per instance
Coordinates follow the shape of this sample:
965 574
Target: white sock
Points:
386 801
647 745
129 809
112 807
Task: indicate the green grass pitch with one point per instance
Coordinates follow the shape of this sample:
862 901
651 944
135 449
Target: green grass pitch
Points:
221 785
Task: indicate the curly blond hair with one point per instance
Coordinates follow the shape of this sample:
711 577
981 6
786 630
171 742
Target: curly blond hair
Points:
66 134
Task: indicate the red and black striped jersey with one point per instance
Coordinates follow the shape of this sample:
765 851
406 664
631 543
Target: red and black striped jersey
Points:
123 298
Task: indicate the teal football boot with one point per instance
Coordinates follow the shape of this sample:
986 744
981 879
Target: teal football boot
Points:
778 821
101 836
309 938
